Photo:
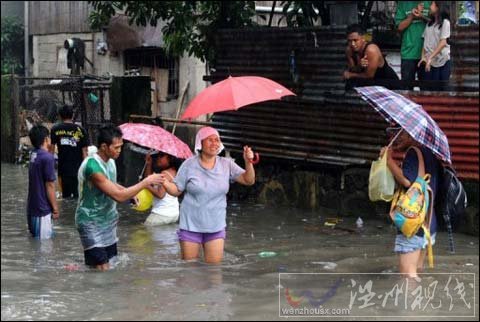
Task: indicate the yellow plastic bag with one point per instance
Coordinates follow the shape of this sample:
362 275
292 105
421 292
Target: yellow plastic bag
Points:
381 183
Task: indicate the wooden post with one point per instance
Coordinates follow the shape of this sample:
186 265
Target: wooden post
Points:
15 110
180 103
153 92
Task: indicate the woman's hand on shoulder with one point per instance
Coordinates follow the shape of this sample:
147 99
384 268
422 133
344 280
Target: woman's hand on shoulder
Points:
167 175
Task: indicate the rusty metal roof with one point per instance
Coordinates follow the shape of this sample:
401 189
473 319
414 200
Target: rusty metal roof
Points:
464 56
324 124
458 117
331 132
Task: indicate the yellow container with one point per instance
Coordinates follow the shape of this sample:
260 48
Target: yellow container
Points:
143 200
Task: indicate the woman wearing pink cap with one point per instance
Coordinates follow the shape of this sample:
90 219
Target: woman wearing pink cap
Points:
205 180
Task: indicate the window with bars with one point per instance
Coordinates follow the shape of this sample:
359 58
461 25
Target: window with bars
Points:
154 57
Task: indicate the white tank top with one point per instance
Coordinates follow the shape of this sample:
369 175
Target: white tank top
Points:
168 206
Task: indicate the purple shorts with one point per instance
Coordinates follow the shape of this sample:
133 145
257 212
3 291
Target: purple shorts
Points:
200 238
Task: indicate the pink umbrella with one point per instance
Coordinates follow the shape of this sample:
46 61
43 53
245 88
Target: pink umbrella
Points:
154 137
233 93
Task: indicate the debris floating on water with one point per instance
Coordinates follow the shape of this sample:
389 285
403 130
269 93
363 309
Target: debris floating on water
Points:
359 223
266 254
326 265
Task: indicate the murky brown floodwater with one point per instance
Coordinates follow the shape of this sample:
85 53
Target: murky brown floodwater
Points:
149 282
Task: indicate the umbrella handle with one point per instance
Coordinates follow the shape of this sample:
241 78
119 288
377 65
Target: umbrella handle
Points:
144 167
396 136
256 159
143 170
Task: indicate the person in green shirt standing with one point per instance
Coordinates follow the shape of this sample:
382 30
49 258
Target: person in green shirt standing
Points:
96 217
411 18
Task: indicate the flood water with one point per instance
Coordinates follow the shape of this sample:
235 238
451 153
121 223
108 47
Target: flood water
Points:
47 280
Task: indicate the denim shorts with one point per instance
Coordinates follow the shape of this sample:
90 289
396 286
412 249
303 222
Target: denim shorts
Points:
405 245
200 238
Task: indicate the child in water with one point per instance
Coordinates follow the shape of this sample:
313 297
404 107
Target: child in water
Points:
165 209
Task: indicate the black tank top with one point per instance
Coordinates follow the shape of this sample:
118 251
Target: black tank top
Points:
384 72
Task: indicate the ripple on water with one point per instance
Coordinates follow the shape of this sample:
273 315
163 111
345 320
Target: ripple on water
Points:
54 305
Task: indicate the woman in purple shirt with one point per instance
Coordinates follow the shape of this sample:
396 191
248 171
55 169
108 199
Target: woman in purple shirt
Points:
205 179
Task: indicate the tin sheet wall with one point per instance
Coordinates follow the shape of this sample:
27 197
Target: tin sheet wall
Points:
323 124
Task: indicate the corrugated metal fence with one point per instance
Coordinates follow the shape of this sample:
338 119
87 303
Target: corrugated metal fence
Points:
323 124
465 55
333 132
458 117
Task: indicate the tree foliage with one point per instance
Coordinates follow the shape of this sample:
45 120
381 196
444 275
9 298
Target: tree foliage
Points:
190 25
12 45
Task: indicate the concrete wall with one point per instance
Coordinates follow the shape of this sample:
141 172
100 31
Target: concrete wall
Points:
191 70
49 56
333 192
105 64
50 61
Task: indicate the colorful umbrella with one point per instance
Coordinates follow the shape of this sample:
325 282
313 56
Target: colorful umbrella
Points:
233 93
410 116
154 137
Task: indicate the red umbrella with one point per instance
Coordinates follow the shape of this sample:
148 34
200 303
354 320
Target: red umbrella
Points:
154 137
233 93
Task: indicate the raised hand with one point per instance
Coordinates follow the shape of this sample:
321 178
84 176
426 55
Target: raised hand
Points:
418 11
247 153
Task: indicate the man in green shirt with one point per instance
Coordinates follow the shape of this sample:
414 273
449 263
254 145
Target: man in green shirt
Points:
96 216
411 18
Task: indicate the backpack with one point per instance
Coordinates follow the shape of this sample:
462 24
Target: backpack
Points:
451 198
451 202
411 209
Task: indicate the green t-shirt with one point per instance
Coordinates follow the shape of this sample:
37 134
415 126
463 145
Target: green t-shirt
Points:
412 41
94 205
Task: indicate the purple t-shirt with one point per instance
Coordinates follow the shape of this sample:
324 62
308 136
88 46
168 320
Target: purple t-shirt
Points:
41 170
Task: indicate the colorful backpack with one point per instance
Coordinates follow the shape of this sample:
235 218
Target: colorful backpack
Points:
411 209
